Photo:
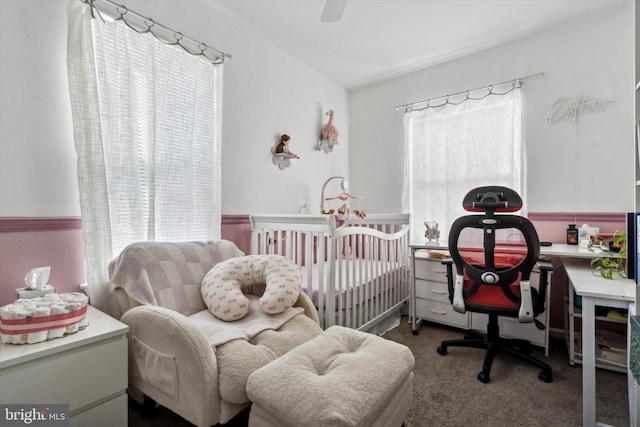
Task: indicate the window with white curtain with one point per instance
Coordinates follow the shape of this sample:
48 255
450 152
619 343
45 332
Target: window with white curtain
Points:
452 149
146 127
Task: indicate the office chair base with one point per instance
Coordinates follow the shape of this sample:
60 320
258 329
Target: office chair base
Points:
519 349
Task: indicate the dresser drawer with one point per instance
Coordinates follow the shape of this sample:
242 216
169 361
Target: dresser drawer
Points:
435 291
430 270
441 312
77 377
109 414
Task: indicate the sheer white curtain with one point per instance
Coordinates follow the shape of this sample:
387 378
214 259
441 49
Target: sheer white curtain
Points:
450 150
146 122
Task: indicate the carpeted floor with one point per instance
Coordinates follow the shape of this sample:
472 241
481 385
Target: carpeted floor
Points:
447 393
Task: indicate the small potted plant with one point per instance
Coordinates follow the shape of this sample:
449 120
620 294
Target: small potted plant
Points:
608 267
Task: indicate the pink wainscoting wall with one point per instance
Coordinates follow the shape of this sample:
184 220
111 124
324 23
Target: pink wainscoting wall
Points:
26 243
237 228
552 227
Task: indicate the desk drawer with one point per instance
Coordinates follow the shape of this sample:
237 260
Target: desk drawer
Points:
431 270
435 291
440 312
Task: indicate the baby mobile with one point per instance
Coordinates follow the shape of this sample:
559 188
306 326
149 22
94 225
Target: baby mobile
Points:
343 213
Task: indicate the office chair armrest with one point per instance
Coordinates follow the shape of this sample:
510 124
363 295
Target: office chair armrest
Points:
546 268
455 283
544 265
448 262
526 313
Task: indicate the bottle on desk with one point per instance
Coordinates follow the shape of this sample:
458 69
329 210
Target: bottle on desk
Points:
572 235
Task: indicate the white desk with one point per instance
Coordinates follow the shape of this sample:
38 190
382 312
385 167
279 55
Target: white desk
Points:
594 291
556 250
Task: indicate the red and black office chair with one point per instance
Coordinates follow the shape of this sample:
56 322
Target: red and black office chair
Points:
496 282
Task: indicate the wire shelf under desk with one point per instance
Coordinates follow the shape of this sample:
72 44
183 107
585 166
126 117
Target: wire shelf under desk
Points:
600 361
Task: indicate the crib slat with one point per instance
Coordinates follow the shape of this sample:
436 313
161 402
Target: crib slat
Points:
361 272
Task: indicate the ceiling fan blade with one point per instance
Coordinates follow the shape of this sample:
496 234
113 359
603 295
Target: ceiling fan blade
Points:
333 10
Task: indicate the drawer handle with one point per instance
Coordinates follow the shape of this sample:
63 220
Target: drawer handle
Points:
438 311
439 292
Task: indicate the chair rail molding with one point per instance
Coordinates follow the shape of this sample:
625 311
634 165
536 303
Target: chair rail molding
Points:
23 224
578 217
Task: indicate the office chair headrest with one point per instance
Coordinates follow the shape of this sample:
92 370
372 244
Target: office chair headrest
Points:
493 198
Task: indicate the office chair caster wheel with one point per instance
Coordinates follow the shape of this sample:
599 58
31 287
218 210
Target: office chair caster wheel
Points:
442 350
545 376
484 377
414 332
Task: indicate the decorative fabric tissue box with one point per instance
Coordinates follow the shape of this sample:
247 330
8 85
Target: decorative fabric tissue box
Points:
29 321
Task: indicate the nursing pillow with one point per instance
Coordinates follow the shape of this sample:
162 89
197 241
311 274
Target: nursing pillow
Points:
221 286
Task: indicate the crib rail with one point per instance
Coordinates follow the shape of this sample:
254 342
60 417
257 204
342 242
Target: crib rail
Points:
356 272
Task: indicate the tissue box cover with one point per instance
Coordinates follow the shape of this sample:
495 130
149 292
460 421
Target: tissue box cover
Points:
29 321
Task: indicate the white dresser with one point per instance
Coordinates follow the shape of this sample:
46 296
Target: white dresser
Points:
86 370
431 292
430 302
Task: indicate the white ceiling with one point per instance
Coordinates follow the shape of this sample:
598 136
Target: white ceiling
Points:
380 39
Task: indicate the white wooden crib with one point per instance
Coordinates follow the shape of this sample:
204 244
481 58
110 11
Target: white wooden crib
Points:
356 272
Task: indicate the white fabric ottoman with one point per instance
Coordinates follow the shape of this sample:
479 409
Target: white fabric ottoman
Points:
342 377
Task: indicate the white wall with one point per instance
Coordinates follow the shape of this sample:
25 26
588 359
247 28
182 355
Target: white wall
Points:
37 155
266 93
592 56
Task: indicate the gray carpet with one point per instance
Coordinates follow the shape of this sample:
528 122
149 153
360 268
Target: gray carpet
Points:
447 393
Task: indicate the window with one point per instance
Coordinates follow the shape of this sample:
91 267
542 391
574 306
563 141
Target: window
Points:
452 149
146 121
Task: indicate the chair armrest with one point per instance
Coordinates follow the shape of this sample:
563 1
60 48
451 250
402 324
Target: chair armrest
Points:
546 268
544 265
171 360
307 304
119 302
448 262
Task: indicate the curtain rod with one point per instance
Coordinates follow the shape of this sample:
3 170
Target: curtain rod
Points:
514 82
214 55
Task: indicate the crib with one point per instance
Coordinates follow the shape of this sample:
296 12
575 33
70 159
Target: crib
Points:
356 272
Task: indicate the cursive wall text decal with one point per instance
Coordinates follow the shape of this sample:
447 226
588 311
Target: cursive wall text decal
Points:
572 108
